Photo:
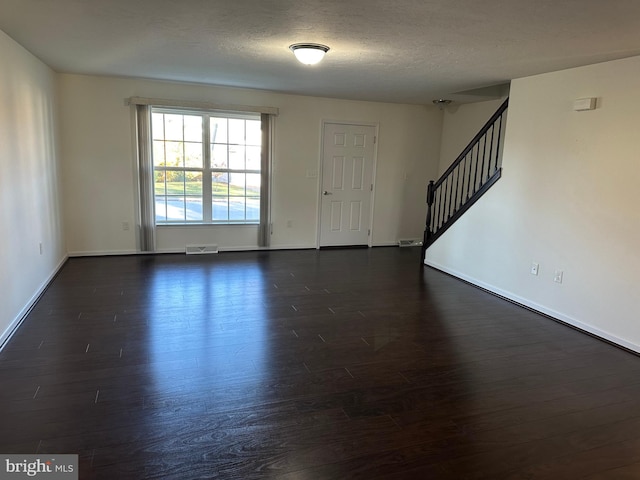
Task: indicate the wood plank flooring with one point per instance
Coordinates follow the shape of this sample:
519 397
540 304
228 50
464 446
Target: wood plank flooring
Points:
337 364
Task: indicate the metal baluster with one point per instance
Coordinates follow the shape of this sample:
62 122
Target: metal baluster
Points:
498 144
436 223
475 167
493 127
484 152
450 195
455 199
468 176
443 203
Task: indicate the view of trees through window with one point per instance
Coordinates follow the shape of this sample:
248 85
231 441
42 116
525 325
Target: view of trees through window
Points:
206 167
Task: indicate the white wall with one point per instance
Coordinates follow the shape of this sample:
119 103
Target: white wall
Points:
99 183
568 199
30 211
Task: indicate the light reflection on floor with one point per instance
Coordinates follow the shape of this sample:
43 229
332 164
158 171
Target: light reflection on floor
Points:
200 321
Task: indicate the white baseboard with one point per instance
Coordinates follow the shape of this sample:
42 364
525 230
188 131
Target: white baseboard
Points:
538 308
384 244
272 247
17 321
246 248
249 248
101 253
289 247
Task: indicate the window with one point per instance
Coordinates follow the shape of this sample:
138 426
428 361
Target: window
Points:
206 167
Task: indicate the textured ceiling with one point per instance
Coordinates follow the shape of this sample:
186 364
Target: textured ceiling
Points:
405 51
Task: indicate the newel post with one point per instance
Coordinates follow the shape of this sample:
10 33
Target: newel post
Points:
430 196
427 228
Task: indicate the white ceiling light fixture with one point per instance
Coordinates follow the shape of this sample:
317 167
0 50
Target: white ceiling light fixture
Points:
309 53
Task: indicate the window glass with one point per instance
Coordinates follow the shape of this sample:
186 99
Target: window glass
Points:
236 131
253 184
236 208
254 133
218 129
236 157
193 128
253 208
220 208
253 158
193 155
157 126
174 154
173 127
219 156
225 167
220 183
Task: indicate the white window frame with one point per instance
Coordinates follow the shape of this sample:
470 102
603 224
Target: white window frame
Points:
141 117
207 170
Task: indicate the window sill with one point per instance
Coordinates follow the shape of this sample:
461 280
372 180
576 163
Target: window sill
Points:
200 225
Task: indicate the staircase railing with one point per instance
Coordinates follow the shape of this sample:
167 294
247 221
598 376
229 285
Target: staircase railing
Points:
474 171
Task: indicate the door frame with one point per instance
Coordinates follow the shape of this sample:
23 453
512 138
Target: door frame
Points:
324 122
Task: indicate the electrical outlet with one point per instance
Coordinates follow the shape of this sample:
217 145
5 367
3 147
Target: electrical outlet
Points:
40 248
125 226
289 223
557 276
534 268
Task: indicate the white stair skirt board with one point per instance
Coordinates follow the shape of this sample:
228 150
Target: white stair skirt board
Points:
410 242
201 249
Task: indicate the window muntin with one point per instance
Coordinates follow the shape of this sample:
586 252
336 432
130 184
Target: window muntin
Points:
206 167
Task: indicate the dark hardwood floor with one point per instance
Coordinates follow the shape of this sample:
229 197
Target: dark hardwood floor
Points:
338 364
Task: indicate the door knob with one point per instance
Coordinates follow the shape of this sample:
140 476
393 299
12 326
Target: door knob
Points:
327 193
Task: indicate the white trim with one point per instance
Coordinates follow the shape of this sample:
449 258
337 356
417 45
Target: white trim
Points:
206 169
271 247
211 112
165 226
17 321
323 123
292 247
373 181
99 253
246 248
198 105
537 307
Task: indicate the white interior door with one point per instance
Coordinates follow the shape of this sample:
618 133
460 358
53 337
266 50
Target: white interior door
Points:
347 184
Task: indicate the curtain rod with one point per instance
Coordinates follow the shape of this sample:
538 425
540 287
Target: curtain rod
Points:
161 102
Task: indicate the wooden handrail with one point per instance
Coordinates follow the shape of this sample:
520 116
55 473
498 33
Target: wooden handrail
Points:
471 174
474 141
